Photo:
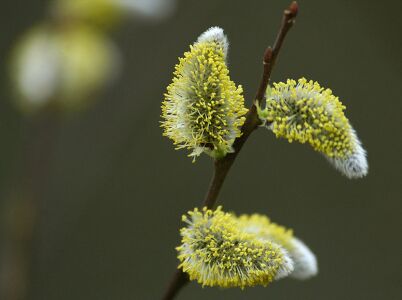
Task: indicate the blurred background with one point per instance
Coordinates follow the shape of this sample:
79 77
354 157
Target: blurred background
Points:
112 189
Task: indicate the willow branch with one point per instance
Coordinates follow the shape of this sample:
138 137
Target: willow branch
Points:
223 165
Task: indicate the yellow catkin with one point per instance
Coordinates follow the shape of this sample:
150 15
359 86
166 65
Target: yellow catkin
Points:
65 65
263 228
216 251
304 260
203 109
304 111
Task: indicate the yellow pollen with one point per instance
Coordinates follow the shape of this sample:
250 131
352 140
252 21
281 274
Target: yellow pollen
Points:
217 250
203 109
306 112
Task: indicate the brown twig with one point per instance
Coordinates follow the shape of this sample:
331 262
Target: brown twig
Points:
222 166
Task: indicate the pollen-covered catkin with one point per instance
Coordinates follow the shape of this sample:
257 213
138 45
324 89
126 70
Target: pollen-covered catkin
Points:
216 251
304 111
305 262
203 109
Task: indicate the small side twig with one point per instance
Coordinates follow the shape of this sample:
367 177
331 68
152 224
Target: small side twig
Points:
222 166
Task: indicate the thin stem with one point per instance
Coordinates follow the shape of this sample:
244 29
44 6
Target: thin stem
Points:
217 180
24 204
179 280
222 166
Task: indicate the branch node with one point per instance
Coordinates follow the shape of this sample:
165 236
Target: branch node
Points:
268 55
293 9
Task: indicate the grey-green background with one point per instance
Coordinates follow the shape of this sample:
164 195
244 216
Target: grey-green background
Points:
118 188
